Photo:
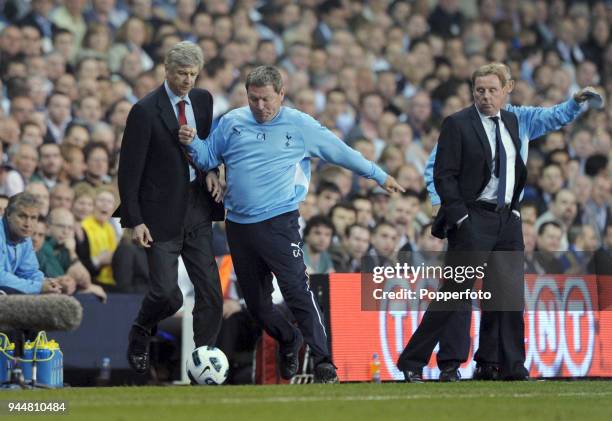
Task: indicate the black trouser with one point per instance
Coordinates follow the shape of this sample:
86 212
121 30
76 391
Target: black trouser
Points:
501 332
274 246
164 297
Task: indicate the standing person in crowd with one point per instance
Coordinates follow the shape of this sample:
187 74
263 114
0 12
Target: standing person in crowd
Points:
266 149
164 201
533 122
318 235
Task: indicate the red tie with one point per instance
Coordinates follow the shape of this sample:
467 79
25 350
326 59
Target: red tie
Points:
182 119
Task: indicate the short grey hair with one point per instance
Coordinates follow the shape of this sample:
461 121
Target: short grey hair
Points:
184 54
22 201
265 75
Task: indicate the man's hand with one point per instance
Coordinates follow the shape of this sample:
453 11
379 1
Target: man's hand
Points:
103 259
67 284
186 134
215 186
70 244
434 210
392 186
230 307
141 236
97 291
50 286
585 94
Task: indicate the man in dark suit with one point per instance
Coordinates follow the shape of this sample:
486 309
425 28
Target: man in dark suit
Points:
165 202
479 175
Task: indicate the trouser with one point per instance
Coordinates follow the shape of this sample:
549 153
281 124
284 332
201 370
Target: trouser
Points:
194 245
502 326
274 246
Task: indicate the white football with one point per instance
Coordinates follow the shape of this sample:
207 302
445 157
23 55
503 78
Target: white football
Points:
207 365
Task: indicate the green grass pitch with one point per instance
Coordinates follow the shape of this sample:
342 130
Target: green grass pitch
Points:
468 400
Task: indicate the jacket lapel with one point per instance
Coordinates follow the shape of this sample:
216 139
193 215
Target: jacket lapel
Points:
482 136
511 123
166 113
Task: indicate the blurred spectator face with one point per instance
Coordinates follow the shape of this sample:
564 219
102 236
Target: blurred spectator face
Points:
522 94
120 113
67 85
51 160
308 208
582 142
326 200
582 189
587 240
64 44
104 205
90 110
489 94
357 242
74 164
9 131
319 238
10 41
427 242
78 136
266 53
552 179
32 134
185 9
451 105
42 194
202 26
564 206
372 108
601 190
97 163
550 239
131 66
420 107
62 196
3 205
529 214
318 59
21 108
553 141
61 225
83 207
392 159
402 210
32 41
529 237
385 240
336 103
26 160
38 236
386 121
305 101
410 178
88 69
342 218
59 109
104 134
587 75
401 135
143 85
365 215
222 30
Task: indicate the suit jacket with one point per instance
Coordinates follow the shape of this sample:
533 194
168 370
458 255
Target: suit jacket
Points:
153 167
464 165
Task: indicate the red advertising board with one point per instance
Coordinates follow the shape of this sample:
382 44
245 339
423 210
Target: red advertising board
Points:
567 331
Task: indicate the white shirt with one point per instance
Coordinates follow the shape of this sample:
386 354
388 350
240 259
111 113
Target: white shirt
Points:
189 115
489 194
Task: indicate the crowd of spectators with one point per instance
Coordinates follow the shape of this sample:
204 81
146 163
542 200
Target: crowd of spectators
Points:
381 74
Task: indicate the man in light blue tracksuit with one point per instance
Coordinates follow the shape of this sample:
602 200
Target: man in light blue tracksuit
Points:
533 122
266 150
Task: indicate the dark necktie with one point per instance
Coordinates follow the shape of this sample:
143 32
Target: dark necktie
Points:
182 120
500 165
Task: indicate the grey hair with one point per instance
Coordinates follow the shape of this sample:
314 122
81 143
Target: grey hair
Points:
265 75
21 201
184 54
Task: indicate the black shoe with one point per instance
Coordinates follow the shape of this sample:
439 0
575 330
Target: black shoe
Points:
450 375
520 374
288 357
325 373
486 372
138 349
413 376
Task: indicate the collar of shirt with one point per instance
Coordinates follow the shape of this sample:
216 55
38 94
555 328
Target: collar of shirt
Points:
174 99
486 119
